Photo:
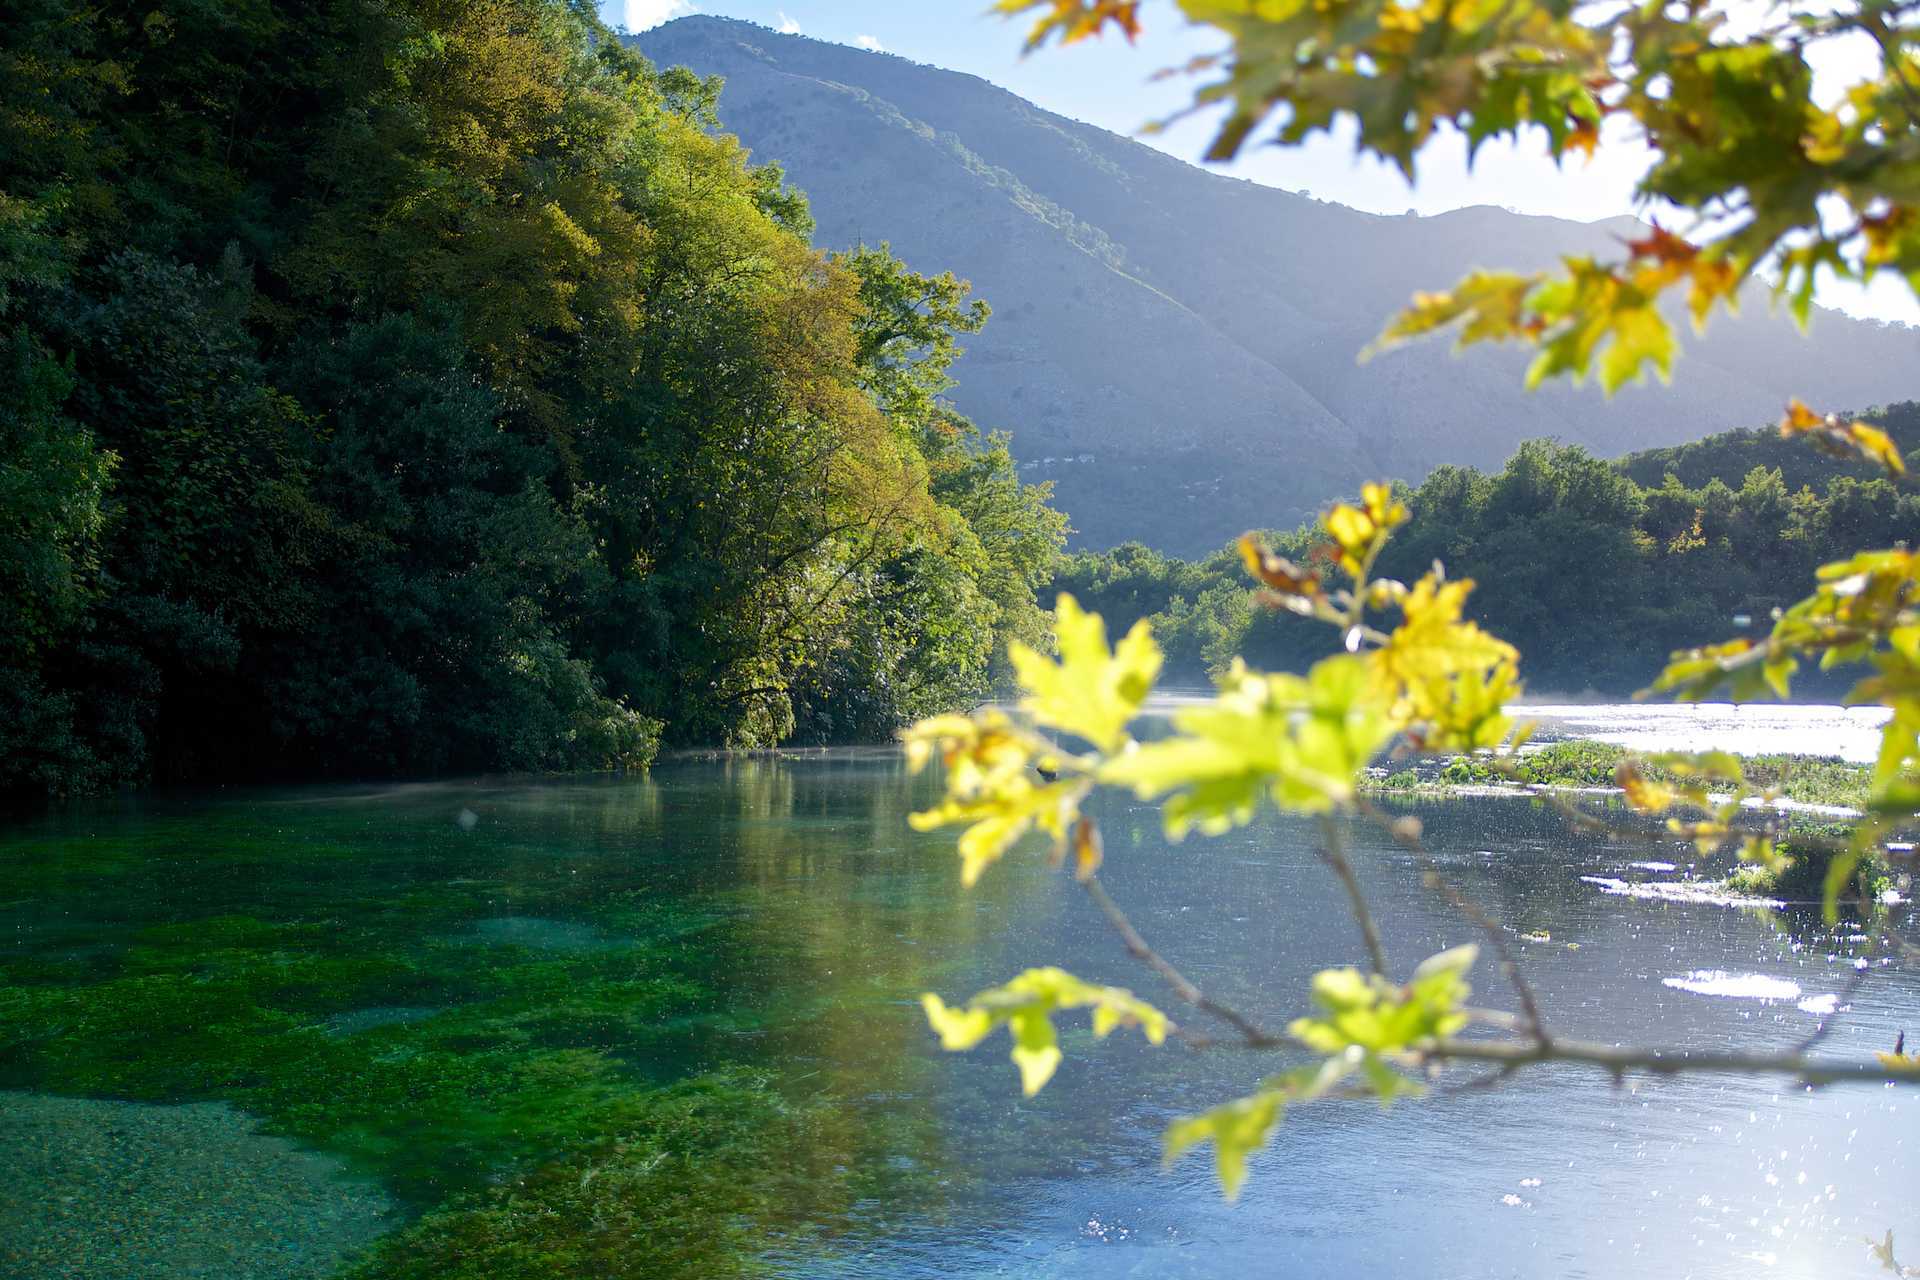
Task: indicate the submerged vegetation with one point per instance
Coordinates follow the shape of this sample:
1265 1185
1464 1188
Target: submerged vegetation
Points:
422 387
544 1060
1594 574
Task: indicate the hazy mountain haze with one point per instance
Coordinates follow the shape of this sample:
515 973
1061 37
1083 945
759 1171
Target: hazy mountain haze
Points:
1183 347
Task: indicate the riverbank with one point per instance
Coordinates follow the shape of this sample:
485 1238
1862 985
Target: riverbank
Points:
1819 784
1816 794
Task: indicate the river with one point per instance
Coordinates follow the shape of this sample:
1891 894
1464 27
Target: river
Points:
507 1018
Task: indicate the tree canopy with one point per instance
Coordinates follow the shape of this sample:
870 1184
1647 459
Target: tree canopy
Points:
1593 569
432 386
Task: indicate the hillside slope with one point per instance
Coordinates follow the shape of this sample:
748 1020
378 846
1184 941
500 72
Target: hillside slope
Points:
1177 349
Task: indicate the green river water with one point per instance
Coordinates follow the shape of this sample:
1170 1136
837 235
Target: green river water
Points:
668 1026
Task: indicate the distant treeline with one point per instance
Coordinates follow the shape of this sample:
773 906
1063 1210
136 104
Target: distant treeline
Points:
1594 569
394 386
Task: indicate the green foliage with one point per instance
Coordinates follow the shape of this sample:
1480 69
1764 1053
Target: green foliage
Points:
991 786
436 647
1416 670
1367 1013
52 480
682 1183
1785 184
1364 1023
1198 608
1731 455
1235 1129
425 386
1803 863
1299 740
515 1102
1577 763
1092 692
1727 106
1025 1007
1587 571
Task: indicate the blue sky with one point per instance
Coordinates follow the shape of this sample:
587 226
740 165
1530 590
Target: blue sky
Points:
1110 83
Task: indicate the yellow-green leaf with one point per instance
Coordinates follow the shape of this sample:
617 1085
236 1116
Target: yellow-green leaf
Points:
1025 1007
1092 692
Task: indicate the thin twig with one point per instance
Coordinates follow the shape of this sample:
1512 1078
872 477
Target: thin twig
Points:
1335 857
1251 1034
1824 1027
1671 1062
1876 27
1484 1082
1408 838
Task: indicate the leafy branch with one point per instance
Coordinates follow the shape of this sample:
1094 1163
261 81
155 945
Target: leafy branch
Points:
1778 178
1778 181
1415 674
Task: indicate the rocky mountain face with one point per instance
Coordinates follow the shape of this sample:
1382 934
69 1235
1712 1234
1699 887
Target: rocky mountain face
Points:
1178 350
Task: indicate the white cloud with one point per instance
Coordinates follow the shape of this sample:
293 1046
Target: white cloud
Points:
788 27
639 15
870 44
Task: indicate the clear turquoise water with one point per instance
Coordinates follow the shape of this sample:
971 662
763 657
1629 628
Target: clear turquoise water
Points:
459 991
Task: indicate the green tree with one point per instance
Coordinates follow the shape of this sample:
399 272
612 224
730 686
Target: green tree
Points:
634 451
434 647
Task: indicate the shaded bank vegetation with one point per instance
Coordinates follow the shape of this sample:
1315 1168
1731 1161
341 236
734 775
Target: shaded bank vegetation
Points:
419 387
1595 570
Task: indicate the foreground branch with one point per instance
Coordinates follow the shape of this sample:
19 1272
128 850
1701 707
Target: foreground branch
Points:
1617 1061
1252 1036
1407 835
1335 857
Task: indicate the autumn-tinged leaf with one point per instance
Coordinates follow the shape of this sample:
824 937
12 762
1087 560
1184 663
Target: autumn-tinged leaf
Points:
1842 439
1445 676
1073 20
1277 573
1489 306
1644 795
1664 247
991 786
1360 531
1088 850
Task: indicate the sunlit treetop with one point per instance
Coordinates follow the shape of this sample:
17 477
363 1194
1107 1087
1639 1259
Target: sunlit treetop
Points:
1761 170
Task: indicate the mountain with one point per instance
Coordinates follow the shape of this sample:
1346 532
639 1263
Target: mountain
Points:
1177 349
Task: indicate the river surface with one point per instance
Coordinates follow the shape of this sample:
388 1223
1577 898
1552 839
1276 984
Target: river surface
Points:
518 1013
1753 728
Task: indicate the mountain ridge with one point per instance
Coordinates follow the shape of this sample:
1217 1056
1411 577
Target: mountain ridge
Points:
1135 367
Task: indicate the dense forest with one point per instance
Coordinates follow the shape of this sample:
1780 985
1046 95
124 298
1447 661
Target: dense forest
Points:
1596 570
409 386
394 386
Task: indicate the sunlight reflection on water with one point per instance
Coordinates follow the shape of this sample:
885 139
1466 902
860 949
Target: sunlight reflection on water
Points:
1851 733
1739 986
